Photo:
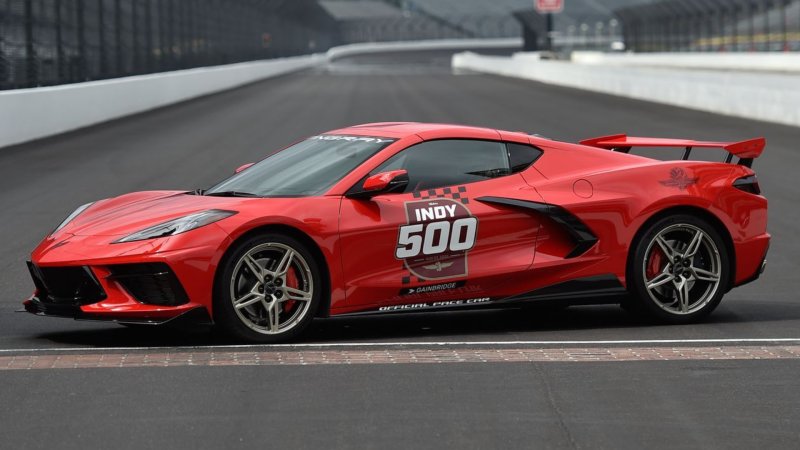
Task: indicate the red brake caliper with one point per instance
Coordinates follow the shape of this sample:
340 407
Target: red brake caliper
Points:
655 263
291 281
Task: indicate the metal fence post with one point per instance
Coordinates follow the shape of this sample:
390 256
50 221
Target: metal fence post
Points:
172 60
31 69
82 60
767 30
699 23
701 31
162 35
191 33
784 25
3 63
711 24
735 28
218 42
60 69
101 36
798 23
205 28
752 23
148 35
135 36
180 32
118 38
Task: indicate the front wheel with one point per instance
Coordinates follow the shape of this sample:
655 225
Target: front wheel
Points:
679 270
268 290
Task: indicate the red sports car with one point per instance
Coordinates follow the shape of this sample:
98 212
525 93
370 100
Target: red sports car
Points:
399 217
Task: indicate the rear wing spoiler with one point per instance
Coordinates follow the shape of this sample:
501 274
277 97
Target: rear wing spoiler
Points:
746 151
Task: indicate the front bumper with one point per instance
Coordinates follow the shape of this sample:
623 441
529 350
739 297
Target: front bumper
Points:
196 315
149 282
147 293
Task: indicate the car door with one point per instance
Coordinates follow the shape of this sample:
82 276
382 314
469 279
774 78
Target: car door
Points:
436 243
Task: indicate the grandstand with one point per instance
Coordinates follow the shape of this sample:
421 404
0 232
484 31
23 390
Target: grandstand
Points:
582 21
494 18
373 21
692 25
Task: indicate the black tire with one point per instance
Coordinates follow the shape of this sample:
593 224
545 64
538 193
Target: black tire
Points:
693 277
244 323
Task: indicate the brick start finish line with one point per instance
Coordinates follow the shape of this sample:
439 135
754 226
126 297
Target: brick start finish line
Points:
207 358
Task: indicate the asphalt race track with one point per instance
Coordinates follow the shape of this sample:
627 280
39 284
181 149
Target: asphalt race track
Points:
402 380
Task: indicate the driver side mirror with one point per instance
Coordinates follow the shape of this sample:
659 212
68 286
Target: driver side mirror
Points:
242 167
382 183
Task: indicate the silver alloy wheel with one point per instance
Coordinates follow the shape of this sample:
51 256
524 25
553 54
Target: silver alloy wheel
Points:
691 272
271 288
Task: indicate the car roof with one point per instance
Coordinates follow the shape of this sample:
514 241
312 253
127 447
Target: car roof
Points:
399 130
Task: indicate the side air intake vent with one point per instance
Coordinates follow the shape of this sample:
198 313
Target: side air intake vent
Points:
578 231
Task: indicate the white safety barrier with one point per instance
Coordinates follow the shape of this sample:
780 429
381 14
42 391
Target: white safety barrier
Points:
773 97
433 44
27 114
750 62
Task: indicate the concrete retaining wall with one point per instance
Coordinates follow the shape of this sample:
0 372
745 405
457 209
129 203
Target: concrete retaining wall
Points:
773 97
27 114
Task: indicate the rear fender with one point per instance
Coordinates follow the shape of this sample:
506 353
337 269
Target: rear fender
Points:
615 204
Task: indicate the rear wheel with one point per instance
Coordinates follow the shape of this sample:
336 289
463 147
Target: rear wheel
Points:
269 289
679 270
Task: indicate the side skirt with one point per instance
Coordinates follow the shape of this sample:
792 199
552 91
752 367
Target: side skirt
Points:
581 291
595 290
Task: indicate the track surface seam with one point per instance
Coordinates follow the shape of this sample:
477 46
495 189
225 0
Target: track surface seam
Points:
389 344
393 356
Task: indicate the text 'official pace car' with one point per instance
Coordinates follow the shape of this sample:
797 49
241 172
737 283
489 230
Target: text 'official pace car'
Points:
399 217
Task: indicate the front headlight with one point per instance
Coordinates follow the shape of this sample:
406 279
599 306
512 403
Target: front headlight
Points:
179 225
72 216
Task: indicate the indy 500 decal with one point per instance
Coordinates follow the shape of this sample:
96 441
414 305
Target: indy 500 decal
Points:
435 242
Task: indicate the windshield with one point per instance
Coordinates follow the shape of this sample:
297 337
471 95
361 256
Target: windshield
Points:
308 168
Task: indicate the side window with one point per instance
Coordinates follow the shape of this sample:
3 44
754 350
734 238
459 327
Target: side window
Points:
521 156
448 162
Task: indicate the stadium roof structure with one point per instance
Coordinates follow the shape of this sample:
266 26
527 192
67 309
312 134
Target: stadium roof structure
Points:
357 10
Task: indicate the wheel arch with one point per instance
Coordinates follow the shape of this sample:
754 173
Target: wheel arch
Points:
704 214
325 301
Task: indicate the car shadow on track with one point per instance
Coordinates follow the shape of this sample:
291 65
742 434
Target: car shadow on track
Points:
596 322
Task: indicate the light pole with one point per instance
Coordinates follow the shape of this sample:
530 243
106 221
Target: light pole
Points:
584 34
612 29
598 34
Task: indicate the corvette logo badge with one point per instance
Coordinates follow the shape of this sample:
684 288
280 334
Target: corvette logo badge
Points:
678 179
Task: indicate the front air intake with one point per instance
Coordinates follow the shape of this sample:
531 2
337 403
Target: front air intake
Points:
74 285
150 283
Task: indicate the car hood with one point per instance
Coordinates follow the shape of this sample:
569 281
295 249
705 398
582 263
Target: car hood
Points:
126 214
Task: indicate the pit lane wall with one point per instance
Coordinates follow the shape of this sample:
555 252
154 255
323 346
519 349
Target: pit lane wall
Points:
744 85
28 114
